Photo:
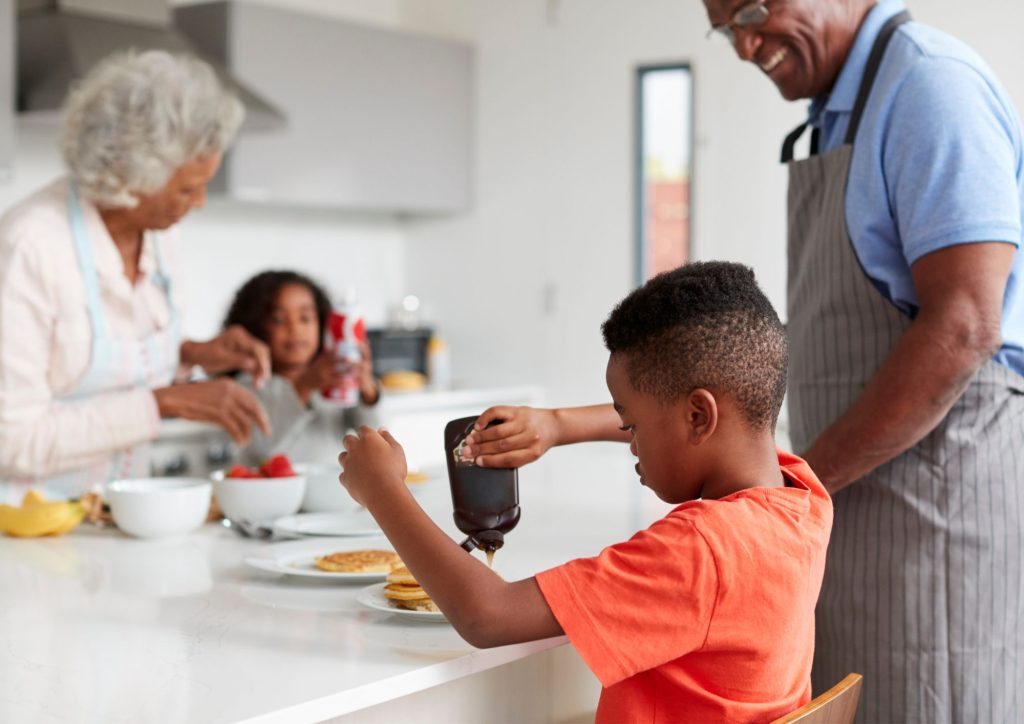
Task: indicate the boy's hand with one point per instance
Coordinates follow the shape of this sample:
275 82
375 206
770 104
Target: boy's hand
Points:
373 465
524 434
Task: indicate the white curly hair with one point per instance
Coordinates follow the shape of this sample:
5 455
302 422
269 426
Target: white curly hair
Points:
137 117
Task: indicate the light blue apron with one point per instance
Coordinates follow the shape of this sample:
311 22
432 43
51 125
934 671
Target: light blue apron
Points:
116 364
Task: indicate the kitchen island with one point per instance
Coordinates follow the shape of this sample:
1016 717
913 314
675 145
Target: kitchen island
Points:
99 627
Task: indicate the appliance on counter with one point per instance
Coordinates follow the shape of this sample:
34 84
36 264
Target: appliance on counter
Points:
399 350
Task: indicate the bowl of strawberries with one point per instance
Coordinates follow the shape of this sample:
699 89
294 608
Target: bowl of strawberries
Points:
259 494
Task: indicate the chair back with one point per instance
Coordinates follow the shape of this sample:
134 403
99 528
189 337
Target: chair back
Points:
838 705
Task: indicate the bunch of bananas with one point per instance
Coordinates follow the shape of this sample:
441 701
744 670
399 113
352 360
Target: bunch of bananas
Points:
38 516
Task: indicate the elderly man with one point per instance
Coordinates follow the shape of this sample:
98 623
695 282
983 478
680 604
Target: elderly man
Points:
906 322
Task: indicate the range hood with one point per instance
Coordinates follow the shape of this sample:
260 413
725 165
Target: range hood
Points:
60 40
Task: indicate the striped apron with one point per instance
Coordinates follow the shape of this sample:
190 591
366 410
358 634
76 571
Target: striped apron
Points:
924 583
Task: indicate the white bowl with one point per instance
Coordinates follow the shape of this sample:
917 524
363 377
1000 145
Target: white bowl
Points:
324 493
159 507
258 499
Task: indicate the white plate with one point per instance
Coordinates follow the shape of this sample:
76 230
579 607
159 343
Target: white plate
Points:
297 558
355 522
373 597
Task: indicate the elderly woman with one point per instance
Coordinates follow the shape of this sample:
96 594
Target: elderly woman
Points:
90 343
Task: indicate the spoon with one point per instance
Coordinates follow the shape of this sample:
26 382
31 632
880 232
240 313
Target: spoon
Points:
247 528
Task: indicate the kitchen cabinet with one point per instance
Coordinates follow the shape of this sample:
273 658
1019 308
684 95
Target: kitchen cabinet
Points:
7 60
376 120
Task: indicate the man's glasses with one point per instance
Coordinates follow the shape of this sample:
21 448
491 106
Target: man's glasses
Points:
746 16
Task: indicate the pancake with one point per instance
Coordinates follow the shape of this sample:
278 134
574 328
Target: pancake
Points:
402 591
424 604
367 561
402 576
394 592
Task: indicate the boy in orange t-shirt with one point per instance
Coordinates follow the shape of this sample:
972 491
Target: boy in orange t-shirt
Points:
708 614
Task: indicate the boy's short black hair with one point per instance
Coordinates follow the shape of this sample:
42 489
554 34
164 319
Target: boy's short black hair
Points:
254 302
705 324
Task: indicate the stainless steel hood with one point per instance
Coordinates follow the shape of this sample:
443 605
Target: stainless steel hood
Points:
60 40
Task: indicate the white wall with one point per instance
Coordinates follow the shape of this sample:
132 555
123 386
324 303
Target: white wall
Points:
554 212
548 248
522 283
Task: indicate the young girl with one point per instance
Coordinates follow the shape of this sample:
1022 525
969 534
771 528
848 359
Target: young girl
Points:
288 311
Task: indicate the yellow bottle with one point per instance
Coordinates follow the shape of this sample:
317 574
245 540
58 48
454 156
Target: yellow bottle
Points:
439 364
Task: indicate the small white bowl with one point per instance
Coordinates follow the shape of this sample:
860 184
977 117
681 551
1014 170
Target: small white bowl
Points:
258 499
324 493
159 507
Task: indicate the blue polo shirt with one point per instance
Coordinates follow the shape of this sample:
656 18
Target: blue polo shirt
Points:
937 161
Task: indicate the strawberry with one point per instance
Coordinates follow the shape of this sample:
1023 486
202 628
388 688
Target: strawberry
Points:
239 471
278 466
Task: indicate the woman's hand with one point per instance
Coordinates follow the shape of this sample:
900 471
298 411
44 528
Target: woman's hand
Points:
373 464
522 436
233 349
223 402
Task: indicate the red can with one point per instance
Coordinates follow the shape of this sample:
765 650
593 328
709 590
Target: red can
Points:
345 332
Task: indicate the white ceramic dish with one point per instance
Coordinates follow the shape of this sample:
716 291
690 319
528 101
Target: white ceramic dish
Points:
258 499
298 558
353 523
324 493
158 507
373 597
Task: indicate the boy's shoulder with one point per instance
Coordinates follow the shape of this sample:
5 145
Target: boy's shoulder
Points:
803 495
749 528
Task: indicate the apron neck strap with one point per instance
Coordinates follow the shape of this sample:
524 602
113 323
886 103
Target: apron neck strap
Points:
86 265
789 145
870 71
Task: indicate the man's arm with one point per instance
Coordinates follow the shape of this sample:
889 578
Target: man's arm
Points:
485 610
960 290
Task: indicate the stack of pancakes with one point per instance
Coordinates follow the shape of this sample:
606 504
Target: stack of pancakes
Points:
402 591
367 561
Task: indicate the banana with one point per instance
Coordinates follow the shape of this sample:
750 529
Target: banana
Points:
32 497
38 516
75 515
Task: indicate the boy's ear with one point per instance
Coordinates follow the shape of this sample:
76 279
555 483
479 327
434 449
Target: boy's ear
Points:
701 416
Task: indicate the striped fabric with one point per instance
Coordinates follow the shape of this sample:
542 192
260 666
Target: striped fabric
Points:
924 584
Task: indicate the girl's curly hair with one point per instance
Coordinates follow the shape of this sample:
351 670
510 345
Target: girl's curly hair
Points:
254 302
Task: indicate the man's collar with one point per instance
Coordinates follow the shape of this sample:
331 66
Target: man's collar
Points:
844 93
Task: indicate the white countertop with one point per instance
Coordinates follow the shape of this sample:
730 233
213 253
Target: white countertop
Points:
96 626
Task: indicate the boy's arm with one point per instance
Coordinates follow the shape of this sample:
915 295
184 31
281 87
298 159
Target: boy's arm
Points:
483 608
526 433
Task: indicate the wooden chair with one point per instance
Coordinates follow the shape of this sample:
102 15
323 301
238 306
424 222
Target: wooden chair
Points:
838 705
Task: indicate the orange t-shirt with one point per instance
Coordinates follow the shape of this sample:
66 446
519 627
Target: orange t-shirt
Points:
708 615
